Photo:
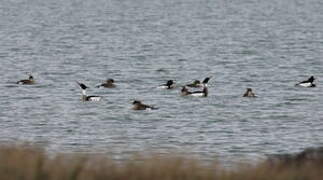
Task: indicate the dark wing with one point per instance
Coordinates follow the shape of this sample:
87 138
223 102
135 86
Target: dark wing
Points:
25 81
307 81
22 81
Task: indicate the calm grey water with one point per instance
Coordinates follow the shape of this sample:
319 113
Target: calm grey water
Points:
266 45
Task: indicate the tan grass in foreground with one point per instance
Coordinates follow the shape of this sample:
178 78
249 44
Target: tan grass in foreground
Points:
30 163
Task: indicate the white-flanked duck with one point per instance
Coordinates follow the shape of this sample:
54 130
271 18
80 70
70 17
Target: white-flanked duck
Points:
86 97
109 83
28 81
203 93
138 105
249 93
169 85
198 84
307 83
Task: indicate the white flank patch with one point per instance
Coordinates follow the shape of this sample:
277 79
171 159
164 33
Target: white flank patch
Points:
95 98
305 84
162 87
197 94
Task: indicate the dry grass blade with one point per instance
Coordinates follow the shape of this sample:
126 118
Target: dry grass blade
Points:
32 163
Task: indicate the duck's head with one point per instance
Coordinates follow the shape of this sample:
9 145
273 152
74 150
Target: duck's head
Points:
136 102
82 86
31 77
170 82
311 79
196 82
206 80
110 81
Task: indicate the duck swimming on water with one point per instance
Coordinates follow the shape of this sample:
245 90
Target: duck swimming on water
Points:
249 93
109 83
86 97
307 83
138 105
169 85
28 81
203 93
